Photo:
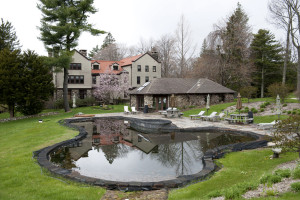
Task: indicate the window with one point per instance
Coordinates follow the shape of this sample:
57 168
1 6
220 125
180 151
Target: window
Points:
139 68
138 80
154 76
154 68
82 94
76 79
94 79
115 67
147 79
75 66
146 68
95 66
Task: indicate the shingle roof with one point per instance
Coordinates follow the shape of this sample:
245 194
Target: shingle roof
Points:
105 67
182 86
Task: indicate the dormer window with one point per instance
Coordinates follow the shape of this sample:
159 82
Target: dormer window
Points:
96 66
75 66
115 67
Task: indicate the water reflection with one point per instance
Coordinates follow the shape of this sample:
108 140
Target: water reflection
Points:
112 151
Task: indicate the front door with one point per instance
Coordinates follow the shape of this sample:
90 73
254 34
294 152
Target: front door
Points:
161 102
140 102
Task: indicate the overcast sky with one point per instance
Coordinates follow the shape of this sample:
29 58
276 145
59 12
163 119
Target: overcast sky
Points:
131 20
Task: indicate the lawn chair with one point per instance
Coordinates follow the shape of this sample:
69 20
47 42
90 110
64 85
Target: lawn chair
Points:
211 116
126 111
133 110
265 126
250 118
218 117
201 113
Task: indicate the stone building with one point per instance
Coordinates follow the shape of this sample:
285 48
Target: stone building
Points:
187 92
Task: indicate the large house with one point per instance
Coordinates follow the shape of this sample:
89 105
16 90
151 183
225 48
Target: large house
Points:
84 73
187 92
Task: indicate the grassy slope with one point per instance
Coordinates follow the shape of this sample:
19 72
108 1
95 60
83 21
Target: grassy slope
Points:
238 167
21 176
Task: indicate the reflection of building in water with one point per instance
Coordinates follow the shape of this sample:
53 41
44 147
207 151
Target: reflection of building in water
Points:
86 144
140 141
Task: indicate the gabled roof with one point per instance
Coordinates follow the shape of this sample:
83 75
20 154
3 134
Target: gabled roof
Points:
105 67
182 86
129 60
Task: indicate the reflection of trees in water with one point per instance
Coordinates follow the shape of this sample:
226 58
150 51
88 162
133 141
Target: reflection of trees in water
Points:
111 152
110 126
180 155
226 139
62 156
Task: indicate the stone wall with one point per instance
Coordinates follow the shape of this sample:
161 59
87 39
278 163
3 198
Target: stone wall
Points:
133 100
189 100
148 100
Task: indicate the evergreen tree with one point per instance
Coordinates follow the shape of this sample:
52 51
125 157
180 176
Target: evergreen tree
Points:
37 85
204 48
10 74
108 40
61 25
8 37
236 38
267 57
94 51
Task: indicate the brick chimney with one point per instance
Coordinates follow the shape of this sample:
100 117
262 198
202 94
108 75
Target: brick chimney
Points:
83 52
154 53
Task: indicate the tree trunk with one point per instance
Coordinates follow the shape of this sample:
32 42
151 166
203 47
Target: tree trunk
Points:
286 56
65 90
298 72
11 109
262 83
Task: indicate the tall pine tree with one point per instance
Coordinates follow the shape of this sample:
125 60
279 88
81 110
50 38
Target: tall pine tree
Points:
61 25
267 57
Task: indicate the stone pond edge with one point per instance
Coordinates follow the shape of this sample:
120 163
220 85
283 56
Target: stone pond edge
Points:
42 157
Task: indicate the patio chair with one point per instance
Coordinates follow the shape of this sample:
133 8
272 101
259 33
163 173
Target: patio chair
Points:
126 111
211 116
250 118
265 126
201 113
218 117
133 110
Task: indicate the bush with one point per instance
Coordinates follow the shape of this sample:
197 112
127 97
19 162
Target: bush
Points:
267 103
289 112
254 110
284 173
284 105
262 110
59 104
262 106
296 173
214 194
271 193
232 193
295 186
278 88
270 179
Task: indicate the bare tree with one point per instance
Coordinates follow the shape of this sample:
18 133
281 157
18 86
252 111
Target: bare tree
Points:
184 47
166 50
280 12
294 16
111 52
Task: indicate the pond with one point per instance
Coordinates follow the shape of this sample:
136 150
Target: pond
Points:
113 151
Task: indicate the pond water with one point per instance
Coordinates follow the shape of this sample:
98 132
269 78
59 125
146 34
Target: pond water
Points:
112 151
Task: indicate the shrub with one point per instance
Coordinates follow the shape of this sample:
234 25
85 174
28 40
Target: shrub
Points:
59 104
284 111
267 103
295 186
294 112
296 173
271 193
270 179
262 106
262 110
232 193
289 112
254 110
284 173
278 88
284 105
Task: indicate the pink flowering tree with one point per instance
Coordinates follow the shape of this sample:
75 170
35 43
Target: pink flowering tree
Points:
111 87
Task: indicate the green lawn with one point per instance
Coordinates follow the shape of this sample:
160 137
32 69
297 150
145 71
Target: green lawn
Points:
239 168
20 176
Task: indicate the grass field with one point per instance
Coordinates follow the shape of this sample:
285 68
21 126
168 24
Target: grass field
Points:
22 178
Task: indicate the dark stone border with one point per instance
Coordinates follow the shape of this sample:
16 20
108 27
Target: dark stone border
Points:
208 164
